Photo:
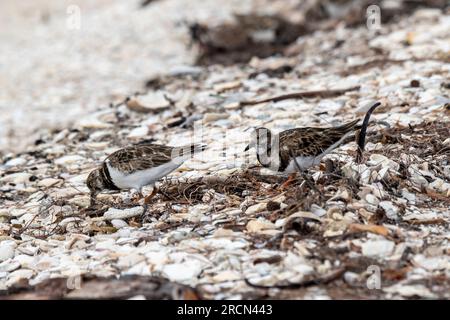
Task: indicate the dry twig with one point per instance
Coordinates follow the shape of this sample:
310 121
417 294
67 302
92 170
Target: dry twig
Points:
301 95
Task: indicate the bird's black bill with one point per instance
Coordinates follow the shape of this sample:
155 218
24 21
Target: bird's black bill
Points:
247 148
92 200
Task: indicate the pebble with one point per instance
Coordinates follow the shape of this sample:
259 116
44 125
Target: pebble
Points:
65 222
93 122
351 278
5 215
48 182
405 290
377 248
318 211
440 185
16 178
138 132
113 213
80 201
411 197
432 263
259 225
119 224
181 272
378 159
390 209
262 206
153 101
220 87
212 117
16 162
417 179
7 249
372 200
9 266
71 159
17 275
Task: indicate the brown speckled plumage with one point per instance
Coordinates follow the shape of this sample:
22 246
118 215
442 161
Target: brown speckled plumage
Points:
141 157
310 141
302 142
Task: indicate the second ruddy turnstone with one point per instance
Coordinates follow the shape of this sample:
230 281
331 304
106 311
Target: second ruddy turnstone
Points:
137 166
299 148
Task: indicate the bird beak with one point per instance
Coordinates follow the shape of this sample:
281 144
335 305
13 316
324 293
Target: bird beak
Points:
92 202
247 148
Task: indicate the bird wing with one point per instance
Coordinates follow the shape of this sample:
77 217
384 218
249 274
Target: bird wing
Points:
302 142
140 157
312 141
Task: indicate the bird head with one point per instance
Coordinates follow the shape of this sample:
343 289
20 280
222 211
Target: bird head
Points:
95 183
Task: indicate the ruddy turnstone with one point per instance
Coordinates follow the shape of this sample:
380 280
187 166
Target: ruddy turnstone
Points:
299 148
137 166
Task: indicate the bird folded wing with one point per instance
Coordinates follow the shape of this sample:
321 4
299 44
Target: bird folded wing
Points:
141 157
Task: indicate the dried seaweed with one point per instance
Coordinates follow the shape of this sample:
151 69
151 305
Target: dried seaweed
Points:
193 191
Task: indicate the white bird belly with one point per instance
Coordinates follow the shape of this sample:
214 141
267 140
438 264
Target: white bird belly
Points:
138 179
307 162
303 162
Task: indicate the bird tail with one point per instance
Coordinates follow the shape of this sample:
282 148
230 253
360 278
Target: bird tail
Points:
188 151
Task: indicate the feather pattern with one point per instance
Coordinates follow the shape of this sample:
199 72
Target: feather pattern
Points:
141 157
139 165
308 145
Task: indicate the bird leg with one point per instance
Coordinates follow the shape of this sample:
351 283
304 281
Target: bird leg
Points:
307 180
289 181
148 199
137 196
151 195
92 200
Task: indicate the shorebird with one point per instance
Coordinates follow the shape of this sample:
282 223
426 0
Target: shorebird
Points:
137 166
300 148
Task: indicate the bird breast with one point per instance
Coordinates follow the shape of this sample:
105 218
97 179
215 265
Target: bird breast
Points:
138 179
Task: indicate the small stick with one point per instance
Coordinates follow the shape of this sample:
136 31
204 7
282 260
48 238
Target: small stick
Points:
303 94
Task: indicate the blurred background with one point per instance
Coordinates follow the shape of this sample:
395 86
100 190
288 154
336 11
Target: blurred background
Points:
62 59
51 74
